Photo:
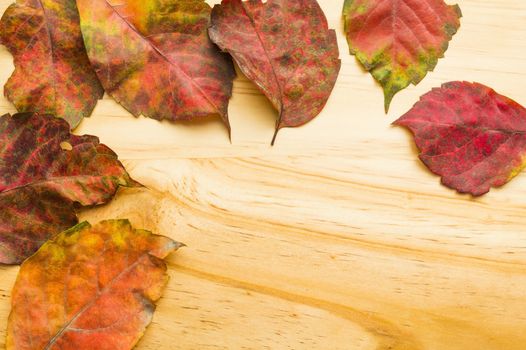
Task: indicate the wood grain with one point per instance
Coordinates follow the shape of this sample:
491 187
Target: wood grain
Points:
337 237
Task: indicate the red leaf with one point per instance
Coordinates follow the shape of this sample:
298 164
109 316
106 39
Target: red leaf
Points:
155 57
286 48
91 288
468 134
52 71
40 181
399 41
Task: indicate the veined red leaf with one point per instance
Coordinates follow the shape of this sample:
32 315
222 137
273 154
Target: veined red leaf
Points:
89 288
52 71
286 48
44 173
155 57
399 41
470 135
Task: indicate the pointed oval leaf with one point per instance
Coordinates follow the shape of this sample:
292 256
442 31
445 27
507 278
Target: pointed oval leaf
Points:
399 41
286 48
52 71
155 57
89 288
44 172
470 135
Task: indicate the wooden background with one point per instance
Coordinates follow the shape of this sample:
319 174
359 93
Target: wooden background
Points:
337 237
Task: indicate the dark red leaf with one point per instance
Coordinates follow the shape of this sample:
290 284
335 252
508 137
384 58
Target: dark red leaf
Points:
155 57
286 48
52 71
41 180
468 134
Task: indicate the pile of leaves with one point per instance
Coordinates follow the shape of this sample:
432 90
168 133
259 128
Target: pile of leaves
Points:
94 287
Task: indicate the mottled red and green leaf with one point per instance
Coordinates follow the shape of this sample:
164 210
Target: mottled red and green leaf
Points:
470 135
155 58
91 287
286 48
399 41
52 71
45 172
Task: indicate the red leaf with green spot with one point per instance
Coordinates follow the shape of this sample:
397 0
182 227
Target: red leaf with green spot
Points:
286 48
52 71
89 288
470 135
155 58
399 41
41 181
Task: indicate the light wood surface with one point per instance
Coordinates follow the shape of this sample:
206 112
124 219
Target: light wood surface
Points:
337 237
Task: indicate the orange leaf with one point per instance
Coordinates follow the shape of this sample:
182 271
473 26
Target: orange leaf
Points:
89 288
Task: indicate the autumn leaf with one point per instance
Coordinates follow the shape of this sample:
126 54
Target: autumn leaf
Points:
91 287
286 48
52 71
44 173
399 41
155 57
470 135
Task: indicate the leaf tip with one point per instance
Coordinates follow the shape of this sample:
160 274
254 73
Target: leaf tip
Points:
229 129
275 135
178 245
457 10
135 184
389 92
397 122
387 103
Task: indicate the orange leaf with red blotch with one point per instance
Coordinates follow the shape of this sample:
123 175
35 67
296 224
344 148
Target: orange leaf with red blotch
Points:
52 72
91 287
470 135
45 173
399 41
155 57
286 48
